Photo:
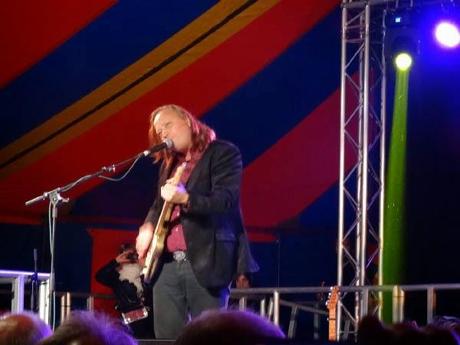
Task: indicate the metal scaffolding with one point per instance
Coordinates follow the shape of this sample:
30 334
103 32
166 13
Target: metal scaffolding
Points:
362 159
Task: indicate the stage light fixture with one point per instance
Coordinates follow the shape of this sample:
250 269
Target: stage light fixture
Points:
447 34
403 61
402 33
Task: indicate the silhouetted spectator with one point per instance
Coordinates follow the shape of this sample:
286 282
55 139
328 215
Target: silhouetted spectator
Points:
449 322
88 328
22 329
373 332
229 327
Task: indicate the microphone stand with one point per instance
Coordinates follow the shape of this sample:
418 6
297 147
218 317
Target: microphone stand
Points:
55 199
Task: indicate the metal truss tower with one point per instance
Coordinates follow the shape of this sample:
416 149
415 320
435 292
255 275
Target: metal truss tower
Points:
362 159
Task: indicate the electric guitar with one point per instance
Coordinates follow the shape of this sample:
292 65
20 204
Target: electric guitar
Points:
161 232
331 305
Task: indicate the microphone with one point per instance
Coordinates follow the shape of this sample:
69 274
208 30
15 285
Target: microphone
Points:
166 144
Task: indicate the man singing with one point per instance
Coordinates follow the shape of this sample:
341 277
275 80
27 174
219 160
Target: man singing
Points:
207 246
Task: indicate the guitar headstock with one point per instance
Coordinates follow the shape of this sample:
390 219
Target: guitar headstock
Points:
333 298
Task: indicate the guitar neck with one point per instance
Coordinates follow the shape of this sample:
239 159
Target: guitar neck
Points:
332 308
332 326
166 211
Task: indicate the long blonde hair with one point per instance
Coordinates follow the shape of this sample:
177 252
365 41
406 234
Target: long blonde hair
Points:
202 135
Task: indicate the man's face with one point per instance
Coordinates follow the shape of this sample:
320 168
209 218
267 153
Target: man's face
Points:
170 125
242 282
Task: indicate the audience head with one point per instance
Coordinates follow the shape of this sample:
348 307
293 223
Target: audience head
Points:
90 328
449 322
373 332
229 327
22 329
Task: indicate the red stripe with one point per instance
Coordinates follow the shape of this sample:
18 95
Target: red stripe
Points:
29 30
307 165
199 88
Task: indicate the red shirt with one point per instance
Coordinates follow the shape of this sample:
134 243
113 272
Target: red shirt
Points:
176 240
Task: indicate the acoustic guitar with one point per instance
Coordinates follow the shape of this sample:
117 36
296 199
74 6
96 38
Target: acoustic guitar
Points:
160 233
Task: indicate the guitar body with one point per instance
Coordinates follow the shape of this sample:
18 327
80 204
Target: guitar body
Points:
152 258
160 233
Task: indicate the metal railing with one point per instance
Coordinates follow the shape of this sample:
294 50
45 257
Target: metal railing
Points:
65 299
270 301
398 296
18 279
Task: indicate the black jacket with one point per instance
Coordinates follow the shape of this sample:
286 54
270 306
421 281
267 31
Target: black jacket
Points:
217 244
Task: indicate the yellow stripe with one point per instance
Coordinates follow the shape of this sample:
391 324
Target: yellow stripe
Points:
181 39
